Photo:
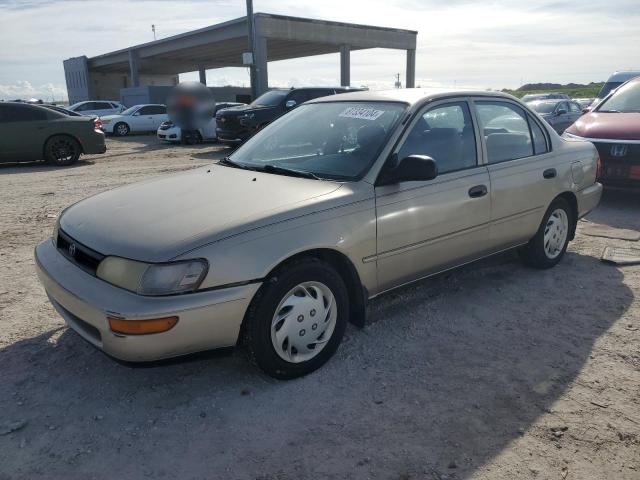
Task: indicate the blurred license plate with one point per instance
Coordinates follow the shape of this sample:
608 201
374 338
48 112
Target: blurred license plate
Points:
616 171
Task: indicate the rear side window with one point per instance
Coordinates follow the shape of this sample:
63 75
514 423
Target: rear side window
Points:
539 138
444 133
21 113
153 110
506 131
102 106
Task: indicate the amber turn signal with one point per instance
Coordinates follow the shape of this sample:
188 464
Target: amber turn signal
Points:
141 327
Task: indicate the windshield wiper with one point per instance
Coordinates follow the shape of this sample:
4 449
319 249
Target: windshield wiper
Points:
227 162
289 171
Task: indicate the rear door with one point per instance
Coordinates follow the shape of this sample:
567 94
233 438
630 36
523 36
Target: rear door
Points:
522 170
427 226
23 131
156 114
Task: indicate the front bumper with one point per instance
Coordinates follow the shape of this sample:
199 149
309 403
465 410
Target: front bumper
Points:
207 320
588 198
233 137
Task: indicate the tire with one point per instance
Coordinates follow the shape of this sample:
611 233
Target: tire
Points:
62 150
275 330
556 226
121 129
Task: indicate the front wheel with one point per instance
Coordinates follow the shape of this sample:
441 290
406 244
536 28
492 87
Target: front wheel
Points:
62 150
550 243
297 320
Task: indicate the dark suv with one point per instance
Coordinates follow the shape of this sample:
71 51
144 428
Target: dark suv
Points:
236 124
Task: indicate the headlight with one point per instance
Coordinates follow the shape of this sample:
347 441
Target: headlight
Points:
153 278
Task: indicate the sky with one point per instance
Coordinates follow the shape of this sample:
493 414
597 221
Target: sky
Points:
472 44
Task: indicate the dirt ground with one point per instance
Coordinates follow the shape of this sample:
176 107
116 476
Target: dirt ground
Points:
494 371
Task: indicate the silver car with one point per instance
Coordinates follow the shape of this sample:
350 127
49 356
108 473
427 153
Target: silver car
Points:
281 244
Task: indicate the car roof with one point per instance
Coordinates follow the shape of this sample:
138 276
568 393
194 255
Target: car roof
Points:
549 101
623 76
411 96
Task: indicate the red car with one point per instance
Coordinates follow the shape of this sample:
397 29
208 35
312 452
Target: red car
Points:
613 126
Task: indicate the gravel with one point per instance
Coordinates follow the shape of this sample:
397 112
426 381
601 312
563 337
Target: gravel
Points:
469 374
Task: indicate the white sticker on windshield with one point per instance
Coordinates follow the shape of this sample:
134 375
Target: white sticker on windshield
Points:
362 113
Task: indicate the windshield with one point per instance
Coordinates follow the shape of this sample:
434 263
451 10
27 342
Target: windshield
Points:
625 99
270 99
129 110
543 107
337 140
607 87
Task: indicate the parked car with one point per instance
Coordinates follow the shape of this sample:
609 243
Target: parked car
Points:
583 102
235 125
170 132
97 108
280 244
140 118
32 132
531 97
614 81
558 113
62 110
613 126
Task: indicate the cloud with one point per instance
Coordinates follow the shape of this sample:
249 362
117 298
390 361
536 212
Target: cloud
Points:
23 89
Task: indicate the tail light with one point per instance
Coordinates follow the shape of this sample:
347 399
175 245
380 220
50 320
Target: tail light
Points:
598 166
97 123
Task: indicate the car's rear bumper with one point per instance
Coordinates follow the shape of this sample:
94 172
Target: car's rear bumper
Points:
207 320
588 198
94 143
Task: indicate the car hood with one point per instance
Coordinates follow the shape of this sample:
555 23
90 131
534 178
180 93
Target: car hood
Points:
160 219
242 109
614 126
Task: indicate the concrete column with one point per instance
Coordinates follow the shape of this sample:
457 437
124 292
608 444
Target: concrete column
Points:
260 60
345 65
203 75
134 63
411 69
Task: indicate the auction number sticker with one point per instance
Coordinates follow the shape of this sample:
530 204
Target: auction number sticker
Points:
362 113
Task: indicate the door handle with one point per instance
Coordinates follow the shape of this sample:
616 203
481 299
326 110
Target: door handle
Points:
478 191
550 173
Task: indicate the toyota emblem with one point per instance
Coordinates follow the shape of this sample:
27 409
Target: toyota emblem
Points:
72 250
619 150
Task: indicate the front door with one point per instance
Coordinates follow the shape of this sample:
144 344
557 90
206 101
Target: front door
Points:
428 226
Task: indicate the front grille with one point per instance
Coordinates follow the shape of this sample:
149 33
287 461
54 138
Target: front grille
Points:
228 122
82 256
618 159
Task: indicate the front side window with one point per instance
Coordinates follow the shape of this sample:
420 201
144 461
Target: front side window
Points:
574 107
335 140
625 100
505 130
444 133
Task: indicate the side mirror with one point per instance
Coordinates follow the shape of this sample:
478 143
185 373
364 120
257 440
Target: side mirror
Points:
137 114
418 168
562 111
586 110
290 104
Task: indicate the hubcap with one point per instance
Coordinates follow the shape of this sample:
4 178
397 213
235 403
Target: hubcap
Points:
122 129
297 334
62 150
555 233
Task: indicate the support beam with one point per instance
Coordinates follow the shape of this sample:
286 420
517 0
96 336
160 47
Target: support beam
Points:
134 62
203 75
411 69
260 60
345 65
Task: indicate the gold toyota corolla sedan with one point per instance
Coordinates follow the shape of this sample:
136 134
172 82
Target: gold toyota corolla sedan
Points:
282 243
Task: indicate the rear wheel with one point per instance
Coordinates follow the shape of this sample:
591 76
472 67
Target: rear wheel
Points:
297 320
550 243
121 129
62 150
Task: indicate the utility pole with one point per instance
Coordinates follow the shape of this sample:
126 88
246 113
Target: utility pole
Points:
250 35
153 29
398 84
